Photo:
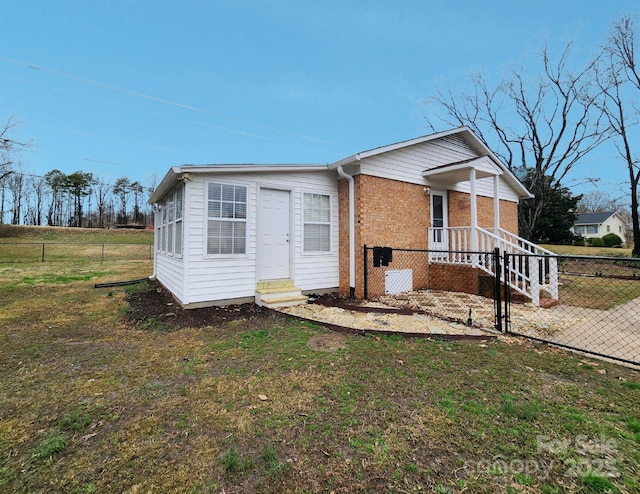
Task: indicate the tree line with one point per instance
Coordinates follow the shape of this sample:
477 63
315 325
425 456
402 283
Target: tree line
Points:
78 199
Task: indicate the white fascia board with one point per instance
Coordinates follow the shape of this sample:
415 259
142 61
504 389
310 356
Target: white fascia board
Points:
176 173
165 184
516 184
251 168
452 169
392 147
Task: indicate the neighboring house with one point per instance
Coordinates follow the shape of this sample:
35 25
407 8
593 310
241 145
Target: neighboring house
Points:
268 233
599 224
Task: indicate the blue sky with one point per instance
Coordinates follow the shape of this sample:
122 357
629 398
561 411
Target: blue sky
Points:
130 88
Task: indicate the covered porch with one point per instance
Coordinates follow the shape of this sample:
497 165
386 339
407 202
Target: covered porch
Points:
456 237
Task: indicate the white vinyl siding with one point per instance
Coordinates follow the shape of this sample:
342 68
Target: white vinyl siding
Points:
317 223
219 278
407 165
226 219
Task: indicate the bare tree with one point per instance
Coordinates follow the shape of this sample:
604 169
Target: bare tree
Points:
17 188
101 192
600 201
9 154
619 72
38 185
8 146
540 127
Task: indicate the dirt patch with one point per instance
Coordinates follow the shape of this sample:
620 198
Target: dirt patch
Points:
153 305
327 342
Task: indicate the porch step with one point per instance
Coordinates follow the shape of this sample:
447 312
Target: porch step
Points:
279 293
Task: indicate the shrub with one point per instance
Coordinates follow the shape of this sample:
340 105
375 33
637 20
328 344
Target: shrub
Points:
596 242
611 240
578 241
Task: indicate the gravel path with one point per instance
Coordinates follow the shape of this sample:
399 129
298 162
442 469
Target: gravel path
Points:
446 313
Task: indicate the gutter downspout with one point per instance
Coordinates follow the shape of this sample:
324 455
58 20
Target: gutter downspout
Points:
155 246
352 229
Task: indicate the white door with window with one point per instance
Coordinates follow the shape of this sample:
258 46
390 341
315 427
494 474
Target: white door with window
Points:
439 213
274 247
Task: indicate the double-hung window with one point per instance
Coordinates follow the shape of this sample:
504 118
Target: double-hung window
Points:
317 223
226 219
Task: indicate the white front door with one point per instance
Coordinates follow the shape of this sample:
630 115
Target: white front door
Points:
439 223
273 235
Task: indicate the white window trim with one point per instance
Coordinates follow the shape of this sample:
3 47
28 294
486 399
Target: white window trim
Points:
165 222
205 246
304 223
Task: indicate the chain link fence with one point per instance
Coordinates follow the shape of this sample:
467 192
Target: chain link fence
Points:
589 304
452 285
17 252
597 310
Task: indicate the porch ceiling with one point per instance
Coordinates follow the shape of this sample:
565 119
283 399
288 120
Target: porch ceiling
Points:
459 172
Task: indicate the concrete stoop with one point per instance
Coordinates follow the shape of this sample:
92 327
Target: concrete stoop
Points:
279 293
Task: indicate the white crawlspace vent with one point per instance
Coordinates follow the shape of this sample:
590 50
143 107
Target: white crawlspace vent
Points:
398 281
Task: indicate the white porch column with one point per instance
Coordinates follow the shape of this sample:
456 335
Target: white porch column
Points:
474 210
496 208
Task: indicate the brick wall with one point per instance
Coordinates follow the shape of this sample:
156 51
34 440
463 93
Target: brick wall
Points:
454 278
397 214
460 212
388 212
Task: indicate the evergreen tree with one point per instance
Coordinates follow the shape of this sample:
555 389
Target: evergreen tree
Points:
558 209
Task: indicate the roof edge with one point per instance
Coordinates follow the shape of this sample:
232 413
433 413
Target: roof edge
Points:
176 173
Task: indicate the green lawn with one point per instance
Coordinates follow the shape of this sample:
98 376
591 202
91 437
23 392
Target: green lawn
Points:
90 404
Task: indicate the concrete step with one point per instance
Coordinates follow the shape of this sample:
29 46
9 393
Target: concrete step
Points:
275 300
274 285
279 293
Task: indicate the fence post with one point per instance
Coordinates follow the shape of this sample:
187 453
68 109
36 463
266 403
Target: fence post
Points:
496 289
507 293
42 251
534 279
366 273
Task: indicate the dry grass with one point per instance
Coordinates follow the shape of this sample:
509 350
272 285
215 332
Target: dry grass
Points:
253 406
575 250
19 244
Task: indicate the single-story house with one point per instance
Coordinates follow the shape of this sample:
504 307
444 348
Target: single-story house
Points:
233 233
599 224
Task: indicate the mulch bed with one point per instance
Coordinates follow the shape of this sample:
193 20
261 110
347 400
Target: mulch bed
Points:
156 303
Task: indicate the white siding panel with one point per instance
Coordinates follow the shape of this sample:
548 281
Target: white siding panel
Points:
169 272
211 278
317 271
407 165
484 187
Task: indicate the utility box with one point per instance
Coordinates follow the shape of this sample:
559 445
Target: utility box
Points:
398 281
